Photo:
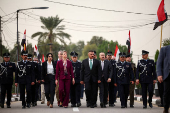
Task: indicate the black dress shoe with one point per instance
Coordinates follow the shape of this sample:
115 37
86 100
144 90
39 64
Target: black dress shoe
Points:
78 104
150 105
33 104
111 105
104 106
8 106
126 106
131 106
122 106
92 106
23 107
28 105
60 105
165 111
144 107
101 105
95 105
88 104
160 105
2 106
73 105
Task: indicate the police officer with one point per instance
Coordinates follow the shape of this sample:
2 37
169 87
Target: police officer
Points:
131 86
112 87
7 69
76 88
37 78
124 77
146 69
25 77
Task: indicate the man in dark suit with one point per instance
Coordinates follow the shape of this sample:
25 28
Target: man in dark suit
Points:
25 77
163 73
125 76
7 69
106 73
90 76
146 69
112 87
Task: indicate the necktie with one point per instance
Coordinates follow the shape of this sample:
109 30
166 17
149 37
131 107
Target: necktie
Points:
90 64
102 65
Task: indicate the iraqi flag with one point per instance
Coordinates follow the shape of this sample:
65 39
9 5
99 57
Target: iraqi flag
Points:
36 52
23 42
161 15
116 54
128 42
43 58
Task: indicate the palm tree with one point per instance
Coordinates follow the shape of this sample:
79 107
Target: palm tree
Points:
53 30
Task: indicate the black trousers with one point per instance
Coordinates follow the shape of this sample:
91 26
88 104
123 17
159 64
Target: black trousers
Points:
146 86
75 93
161 91
124 92
6 88
50 89
22 93
37 92
103 91
91 92
112 94
166 97
33 89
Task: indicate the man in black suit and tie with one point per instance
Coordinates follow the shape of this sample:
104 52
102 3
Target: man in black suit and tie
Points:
106 73
90 76
163 73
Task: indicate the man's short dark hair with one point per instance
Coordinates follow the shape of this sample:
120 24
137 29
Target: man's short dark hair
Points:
91 51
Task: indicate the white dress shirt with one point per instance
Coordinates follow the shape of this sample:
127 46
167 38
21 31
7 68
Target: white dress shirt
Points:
50 69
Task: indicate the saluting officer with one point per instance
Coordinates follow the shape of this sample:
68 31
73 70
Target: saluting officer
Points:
25 77
112 87
131 86
146 69
124 77
76 88
7 69
37 77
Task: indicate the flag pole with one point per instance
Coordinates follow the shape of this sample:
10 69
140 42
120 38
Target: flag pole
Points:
161 36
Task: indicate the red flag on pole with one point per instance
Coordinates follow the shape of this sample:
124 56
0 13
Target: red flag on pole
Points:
43 59
161 15
116 54
23 42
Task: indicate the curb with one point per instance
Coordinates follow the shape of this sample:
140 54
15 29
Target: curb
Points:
154 101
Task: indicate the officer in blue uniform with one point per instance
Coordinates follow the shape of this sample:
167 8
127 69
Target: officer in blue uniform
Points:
76 88
7 69
37 78
125 76
25 77
112 87
146 70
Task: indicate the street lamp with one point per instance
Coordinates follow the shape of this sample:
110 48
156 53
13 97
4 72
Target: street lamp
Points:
17 30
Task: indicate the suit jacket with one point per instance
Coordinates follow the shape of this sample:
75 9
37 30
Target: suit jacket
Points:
107 71
163 62
147 72
113 63
44 75
28 76
87 74
60 70
7 75
124 73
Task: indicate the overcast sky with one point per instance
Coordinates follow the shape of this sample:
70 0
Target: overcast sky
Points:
83 23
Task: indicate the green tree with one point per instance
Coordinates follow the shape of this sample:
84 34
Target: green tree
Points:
4 49
156 55
166 42
13 53
53 30
86 50
96 40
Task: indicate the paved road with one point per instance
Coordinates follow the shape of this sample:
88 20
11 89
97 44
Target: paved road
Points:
42 108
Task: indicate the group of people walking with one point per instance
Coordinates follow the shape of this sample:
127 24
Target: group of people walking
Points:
65 77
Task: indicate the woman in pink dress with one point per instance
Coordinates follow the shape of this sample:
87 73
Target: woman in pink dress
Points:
64 71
